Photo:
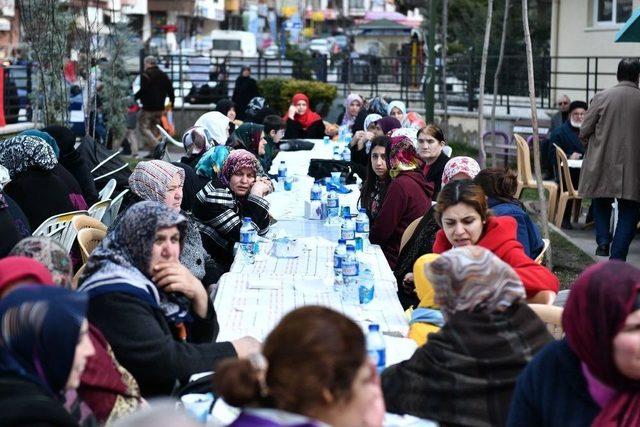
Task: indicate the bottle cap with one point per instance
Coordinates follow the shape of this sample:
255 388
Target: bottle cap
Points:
342 241
351 248
246 219
374 327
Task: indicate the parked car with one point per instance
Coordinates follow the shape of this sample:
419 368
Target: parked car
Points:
233 43
271 52
321 46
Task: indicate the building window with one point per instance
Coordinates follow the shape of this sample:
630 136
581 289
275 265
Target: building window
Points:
613 11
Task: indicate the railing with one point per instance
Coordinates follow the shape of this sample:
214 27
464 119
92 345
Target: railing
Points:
16 88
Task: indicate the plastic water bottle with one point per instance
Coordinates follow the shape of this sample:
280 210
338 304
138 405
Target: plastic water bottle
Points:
348 230
338 257
362 227
350 270
365 285
336 153
316 191
333 207
325 140
346 154
282 171
347 140
248 237
376 347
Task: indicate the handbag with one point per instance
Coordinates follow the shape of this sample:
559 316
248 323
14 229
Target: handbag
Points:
322 168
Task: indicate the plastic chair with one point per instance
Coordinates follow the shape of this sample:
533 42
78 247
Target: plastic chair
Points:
108 189
408 232
526 180
84 221
58 227
114 209
168 137
89 239
76 278
98 209
540 257
108 174
551 316
567 190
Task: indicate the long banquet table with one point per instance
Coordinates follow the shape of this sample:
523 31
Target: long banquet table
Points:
252 298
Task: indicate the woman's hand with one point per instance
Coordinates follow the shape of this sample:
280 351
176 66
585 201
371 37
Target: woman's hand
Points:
266 181
175 277
246 346
292 111
260 188
408 285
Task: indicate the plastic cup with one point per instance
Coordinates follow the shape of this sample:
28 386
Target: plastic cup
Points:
288 183
198 405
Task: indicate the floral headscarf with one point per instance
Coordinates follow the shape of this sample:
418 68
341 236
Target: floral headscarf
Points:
4 176
460 164
238 159
472 278
150 180
403 156
24 152
379 106
121 262
196 140
50 253
50 140
210 164
410 133
347 119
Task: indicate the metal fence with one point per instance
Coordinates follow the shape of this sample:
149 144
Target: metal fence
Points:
16 89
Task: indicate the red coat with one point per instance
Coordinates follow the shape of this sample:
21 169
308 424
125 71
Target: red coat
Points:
500 238
407 198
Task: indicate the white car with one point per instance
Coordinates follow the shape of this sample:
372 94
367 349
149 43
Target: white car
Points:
322 46
271 52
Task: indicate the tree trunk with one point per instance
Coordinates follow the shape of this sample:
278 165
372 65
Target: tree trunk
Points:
445 104
483 72
534 125
496 80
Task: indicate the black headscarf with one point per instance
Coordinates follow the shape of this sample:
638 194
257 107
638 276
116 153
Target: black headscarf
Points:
224 105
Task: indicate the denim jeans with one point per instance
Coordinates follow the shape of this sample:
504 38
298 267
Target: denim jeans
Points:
628 216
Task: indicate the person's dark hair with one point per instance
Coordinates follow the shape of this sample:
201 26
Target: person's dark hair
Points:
224 105
246 67
273 122
498 183
312 349
370 181
628 70
461 191
433 131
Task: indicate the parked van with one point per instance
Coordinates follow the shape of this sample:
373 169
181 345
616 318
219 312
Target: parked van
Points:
233 43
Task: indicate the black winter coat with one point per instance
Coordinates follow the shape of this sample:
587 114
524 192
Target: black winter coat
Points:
155 87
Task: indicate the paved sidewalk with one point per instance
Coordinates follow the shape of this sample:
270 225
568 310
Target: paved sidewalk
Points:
586 240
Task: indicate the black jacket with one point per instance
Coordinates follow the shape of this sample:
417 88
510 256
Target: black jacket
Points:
144 344
244 91
155 86
25 403
435 173
82 174
294 130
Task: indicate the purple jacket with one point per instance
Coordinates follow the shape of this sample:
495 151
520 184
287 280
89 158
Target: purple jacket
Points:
251 420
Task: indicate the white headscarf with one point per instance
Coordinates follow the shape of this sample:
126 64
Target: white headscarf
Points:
397 104
370 119
217 124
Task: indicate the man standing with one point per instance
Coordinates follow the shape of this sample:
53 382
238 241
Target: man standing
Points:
155 87
611 168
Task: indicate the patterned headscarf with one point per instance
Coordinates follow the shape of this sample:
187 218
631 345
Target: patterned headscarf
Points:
247 136
4 176
472 278
403 156
371 118
460 164
196 140
379 106
150 180
210 164
121 262
24 152
348 119
50 253
411 133
414 121
238 159
46 138
40 327
217 124
600 301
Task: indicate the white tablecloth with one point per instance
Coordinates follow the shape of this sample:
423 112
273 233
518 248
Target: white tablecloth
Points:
252 298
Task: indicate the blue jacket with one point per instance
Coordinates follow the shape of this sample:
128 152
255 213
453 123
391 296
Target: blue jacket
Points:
566 138
552 391
528 233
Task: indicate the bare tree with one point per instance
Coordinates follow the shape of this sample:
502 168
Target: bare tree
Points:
445 30
534 125
496 80
483 73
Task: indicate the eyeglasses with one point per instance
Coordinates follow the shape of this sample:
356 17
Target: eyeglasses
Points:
563 103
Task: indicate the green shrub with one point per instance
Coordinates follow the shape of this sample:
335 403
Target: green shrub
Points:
278 93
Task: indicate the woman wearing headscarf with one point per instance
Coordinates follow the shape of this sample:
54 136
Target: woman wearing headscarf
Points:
159 181
398 109
250 137
466 372
155 314
408 197
245 89
223 203
196 141
210 165
426 317
8 229
376 105
459 168
592 376
43 352
386 125
302 123
361 141
106 388
375 186
352 105
71 160
39 192
217 124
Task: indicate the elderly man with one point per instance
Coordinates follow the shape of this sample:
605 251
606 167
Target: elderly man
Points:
155 88
611 167
562 114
